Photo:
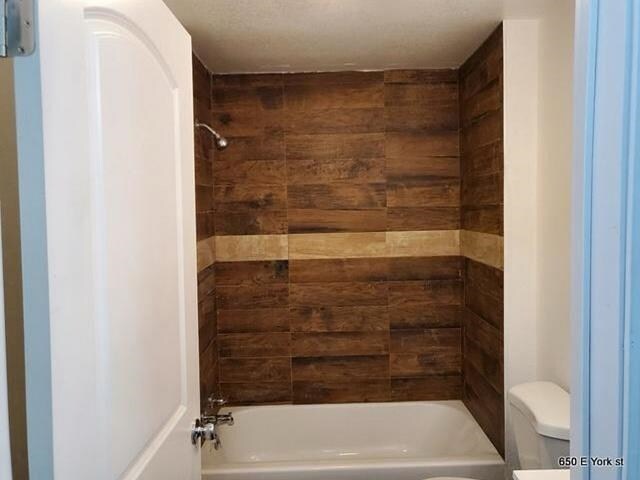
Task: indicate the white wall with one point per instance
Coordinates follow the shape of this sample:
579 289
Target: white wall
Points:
554 192
538 110
521 105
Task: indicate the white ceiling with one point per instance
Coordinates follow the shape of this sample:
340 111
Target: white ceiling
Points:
324 35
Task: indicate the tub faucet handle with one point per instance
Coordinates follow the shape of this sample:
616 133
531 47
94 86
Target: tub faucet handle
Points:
216 402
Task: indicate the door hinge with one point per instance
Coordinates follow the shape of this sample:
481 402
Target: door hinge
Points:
17 32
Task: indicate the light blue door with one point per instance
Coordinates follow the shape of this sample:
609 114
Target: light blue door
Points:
606 317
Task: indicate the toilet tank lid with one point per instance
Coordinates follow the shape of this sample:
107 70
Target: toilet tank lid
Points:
546 405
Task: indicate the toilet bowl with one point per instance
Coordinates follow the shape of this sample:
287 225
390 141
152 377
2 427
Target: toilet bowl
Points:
540 419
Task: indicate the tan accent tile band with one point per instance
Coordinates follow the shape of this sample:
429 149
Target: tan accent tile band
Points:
431 243
238 248
337 245
482 247
206 252
485 248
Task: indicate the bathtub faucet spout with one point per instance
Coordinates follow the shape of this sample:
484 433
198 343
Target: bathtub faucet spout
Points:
219 419
224 419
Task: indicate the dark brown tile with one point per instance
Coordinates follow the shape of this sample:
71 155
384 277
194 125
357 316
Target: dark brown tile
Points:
245 370
204 198
426 341
483 190
337 196
485 335
348 170
256 320
256 393
339 270
422 118
252 296
439 96
201 80
339 319
339 344
484 160
335 146
486 100
485 65
319 221
486 405
254 344
423 218
433 387
233 221
432 193
201 113
208 371
258 272
336 120
249 172
485 306
259 197
252 148
206 281
421 76
485 218
370 390
484 131
490 367
205 226
422 145
203 170
429 292
247 80
321 96
207 327
256 97
340 369
420 170
425 268
338 294
247 121
425 316
328 78
484 278
437 361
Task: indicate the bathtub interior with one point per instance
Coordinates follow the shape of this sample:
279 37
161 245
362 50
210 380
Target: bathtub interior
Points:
408 431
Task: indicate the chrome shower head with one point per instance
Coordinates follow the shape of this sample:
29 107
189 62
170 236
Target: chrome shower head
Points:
221 142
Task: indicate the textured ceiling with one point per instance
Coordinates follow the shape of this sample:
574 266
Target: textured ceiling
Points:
324 35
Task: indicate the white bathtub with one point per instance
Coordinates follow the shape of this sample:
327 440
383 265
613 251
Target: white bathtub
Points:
359 441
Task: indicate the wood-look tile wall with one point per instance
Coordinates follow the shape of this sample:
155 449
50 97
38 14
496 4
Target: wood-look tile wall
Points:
333 189
340 330
337 152
207 329
481 145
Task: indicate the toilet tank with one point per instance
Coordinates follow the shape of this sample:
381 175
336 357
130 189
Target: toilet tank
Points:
540 418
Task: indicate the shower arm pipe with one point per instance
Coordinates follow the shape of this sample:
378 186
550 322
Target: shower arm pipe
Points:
221 142
209 129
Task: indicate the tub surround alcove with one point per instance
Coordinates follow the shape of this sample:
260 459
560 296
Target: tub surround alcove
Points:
350 237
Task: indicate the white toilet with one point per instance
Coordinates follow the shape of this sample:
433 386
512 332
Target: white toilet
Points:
540 419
